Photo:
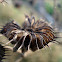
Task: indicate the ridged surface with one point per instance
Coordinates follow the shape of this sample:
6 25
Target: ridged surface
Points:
33 35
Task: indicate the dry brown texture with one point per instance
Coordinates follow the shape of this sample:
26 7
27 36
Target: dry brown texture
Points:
33 35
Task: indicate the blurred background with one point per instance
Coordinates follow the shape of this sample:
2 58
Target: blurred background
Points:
48 10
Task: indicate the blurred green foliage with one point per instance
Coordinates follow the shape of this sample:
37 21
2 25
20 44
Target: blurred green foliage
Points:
49 8
60 59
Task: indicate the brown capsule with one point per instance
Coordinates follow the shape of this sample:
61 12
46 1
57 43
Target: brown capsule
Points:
33 35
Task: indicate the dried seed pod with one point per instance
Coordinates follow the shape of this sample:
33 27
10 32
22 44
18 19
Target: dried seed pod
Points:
33 35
